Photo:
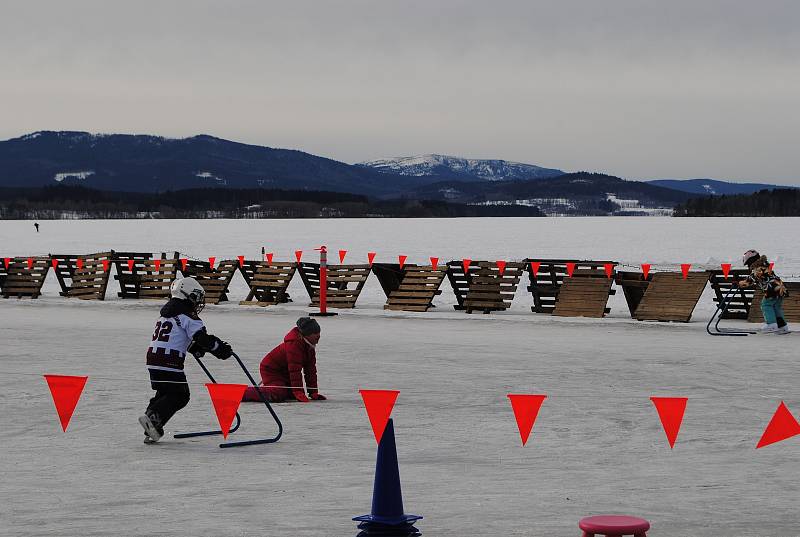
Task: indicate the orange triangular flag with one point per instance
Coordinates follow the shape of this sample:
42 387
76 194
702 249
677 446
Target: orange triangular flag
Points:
434 263
645 270
130 264
570 269
526 408
79 263
6 261
726 269
54 261
465 263
298 254
379 404
535 268
105 265
771 266
402 260
183 264
66 391
30 263
501 266
670 411
342 254
685 269
157 264
241 260
370 257
211 261
226 399
269 257
781 427
609 269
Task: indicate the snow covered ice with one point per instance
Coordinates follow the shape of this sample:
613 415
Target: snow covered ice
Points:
597 446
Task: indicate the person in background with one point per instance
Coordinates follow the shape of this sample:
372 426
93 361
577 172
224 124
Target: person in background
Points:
283 368
762 277
36 225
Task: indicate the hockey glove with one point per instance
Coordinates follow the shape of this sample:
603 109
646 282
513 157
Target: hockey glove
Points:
300 396
223 350
316 396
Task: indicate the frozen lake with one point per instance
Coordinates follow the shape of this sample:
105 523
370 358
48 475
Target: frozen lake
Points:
597 446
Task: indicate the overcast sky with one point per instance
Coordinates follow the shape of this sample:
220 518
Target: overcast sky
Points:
640 89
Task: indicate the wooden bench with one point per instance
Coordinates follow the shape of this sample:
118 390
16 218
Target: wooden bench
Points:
345 283
583 297
66 264
670 297
634 285
21 281
791 305
547 281
483 287
268 283
411 288
91 280
215 281
738 303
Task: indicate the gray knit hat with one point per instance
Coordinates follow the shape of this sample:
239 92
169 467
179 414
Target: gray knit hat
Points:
308 326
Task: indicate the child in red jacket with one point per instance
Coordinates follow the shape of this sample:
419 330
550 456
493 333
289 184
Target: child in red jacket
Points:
282 370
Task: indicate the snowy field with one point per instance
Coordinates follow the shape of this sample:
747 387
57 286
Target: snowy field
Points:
597 446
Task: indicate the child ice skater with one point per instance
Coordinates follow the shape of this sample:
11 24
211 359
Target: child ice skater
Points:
774 292
177 330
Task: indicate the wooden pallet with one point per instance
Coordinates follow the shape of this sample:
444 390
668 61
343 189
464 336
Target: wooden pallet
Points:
21 281
128 277
487 289
345 283
670 297
633 286
91 280
269 282
3 273
791 305
411 288
215 281
546 283
583 297
155 279
66 265
739 303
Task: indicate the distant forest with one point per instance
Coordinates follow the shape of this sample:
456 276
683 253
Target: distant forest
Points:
66 202
777 202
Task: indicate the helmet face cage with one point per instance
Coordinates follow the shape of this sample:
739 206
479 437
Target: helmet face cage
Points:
198 299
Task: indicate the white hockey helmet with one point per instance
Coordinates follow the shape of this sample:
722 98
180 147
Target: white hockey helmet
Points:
750 257
189 289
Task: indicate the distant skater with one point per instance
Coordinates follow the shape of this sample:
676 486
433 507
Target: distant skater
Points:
762 277
36 225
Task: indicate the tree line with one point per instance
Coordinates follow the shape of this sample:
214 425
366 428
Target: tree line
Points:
775 202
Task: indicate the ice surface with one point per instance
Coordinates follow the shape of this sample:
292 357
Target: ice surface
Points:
597 446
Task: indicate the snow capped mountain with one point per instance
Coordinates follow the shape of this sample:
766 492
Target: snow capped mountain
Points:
461 168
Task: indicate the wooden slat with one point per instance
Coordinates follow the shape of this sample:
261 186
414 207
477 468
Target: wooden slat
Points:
21 281
670 297
583 297
268 283
344 283
91 280
546 283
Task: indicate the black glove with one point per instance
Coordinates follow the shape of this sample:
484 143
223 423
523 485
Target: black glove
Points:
223 350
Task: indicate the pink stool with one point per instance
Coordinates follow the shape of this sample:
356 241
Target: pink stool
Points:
614 526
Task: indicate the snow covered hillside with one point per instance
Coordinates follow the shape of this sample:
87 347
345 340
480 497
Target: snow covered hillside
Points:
464 169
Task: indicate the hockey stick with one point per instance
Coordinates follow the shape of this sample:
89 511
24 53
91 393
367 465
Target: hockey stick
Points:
721 309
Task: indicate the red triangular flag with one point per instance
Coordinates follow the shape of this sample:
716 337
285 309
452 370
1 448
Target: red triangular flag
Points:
30 263
66 391
465 263
226 399
685 269
183 264
670 411
105 265
370 257
342 254
501 266
526 408
379 404
645 270
570 269
157 263
211 261
269 257
535 267
54 261
726 269
609 269
7 261
434 263
130 264
782 426
241 260
298 254
79 263
771 266
402 260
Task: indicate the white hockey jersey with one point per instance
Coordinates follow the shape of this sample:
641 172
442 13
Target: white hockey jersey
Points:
170 339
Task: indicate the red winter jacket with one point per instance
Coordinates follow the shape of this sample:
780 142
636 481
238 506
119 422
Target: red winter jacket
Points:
283 364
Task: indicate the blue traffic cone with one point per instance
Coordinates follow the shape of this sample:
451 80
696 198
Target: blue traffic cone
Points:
387 517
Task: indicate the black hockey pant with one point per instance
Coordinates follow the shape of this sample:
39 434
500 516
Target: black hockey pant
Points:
172 394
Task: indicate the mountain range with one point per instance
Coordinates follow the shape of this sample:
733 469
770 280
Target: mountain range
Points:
143 163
